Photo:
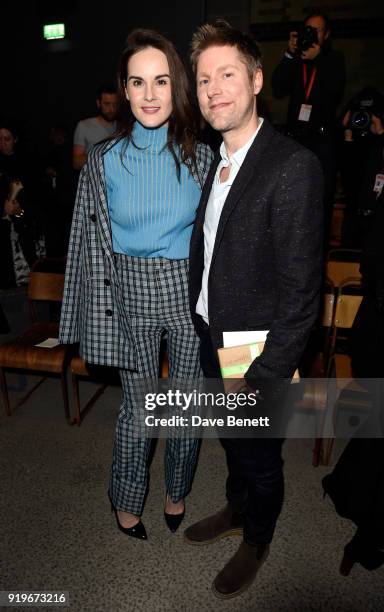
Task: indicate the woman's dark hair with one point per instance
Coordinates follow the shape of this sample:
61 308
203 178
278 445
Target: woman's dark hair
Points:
183 123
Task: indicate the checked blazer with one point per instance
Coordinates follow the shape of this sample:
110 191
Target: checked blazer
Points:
267 259
92 310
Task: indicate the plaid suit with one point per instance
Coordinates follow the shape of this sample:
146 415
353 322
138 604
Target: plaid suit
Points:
95 314
93 311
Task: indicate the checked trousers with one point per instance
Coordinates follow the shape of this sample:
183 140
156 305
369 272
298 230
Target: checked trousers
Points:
156 303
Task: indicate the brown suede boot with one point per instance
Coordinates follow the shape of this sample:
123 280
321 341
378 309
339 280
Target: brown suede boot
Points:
240 571
223 523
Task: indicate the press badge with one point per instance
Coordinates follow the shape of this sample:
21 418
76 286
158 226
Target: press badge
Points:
379 183
305 112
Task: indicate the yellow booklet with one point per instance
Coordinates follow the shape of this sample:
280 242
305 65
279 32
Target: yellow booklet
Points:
235 360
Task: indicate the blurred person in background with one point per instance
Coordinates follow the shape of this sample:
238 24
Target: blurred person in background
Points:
20 234
362 164
95 129
59 191
312 74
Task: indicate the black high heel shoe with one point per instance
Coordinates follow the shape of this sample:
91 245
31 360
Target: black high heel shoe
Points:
137 531
173 521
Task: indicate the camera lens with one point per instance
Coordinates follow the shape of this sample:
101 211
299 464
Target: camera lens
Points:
307 37
360 120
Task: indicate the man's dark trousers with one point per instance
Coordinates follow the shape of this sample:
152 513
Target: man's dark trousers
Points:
255 483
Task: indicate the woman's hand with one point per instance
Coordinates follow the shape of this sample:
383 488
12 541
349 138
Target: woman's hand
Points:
12 207
14 189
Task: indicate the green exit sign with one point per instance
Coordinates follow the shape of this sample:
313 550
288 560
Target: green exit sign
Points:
54 30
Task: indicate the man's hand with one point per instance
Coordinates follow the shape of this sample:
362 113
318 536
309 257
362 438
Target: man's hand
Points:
312 52
292 43
376 126
237 385
348 134
346 118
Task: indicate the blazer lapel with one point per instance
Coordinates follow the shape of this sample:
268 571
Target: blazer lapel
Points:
244 175
197 234
200 214
104 226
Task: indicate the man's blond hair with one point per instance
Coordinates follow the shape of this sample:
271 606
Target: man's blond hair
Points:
220 34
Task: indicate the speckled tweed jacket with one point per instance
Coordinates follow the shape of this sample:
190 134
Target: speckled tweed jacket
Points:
266 264
92 310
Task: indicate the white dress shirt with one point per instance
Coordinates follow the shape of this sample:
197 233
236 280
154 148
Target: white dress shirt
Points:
216 201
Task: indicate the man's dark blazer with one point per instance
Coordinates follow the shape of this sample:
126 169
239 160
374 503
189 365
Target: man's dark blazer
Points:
267 259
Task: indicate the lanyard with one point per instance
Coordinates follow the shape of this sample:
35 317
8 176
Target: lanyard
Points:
311 80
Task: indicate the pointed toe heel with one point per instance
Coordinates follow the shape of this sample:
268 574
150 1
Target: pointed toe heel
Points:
137 531
173 521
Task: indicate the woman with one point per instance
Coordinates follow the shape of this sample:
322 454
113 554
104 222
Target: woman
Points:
18 228
126 279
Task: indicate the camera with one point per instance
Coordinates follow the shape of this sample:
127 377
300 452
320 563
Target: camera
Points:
306 38
367 103
360 119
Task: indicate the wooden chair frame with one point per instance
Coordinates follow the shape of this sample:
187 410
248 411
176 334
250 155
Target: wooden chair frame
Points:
339 365
79 370
22 354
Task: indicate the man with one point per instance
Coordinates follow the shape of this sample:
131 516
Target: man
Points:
255 263
361 162
94 129
314 80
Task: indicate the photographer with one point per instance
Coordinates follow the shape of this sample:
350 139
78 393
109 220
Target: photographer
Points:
367 344
312 74
361 163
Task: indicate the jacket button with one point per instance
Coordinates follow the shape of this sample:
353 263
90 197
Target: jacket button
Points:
107 282
109 313
93 218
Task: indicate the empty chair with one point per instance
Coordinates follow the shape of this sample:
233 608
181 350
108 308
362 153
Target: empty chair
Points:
343 264
22 352
339 371
349 297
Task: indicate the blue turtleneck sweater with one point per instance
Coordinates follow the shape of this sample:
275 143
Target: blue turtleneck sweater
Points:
151 212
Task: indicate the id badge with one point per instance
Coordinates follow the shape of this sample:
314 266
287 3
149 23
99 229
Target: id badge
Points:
305 112
379 183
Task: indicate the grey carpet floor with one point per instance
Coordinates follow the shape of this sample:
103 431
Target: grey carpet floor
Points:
57 533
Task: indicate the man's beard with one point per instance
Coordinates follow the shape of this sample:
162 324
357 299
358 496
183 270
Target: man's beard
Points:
107 117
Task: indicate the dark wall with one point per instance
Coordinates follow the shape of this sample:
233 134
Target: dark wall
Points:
48 82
